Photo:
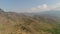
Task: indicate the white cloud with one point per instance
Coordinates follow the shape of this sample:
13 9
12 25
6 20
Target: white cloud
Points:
33 9
56 6
39 6
44 7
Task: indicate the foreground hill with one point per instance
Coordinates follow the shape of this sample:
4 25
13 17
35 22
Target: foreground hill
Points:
14 23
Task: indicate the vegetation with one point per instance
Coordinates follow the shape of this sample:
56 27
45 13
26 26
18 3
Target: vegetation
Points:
15 23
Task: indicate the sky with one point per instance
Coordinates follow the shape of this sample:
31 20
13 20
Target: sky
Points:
29 5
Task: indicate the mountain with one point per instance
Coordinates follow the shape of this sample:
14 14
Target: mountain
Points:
49 14
19 23
52 13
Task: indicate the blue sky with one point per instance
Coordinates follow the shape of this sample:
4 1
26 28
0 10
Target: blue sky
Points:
23 5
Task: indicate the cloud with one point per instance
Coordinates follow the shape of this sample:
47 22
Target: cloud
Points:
55 7
44 7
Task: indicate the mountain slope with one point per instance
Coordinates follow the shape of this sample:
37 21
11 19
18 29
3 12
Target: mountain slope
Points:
14 23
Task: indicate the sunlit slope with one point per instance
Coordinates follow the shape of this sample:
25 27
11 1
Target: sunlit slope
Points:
14 23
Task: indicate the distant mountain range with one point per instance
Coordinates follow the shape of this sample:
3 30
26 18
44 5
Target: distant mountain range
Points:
50 14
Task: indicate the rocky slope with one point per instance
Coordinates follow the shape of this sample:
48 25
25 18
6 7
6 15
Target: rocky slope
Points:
14 23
